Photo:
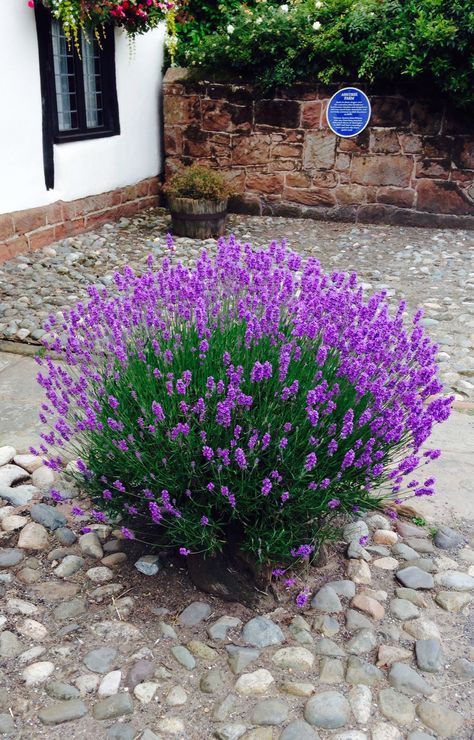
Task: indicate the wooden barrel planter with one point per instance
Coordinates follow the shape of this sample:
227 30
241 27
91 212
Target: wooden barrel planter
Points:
197 219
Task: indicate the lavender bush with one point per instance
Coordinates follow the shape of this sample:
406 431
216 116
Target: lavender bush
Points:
249 400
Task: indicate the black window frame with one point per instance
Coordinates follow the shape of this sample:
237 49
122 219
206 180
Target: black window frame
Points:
51 131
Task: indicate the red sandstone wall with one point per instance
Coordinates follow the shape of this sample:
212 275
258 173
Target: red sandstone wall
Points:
414 163
25 231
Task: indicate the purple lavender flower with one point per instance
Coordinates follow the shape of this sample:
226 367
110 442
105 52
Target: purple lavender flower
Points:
311 461
266 486
184 551
278 572
155 512
99 515
303 551
302 598
157 411
348 459
240 458
204 521
334 503
127 533
363 540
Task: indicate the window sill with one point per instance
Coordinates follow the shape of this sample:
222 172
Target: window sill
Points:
64 138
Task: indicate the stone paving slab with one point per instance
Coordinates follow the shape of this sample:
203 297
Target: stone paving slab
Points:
20 399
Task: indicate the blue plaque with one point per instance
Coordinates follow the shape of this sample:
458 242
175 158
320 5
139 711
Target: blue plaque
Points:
348 112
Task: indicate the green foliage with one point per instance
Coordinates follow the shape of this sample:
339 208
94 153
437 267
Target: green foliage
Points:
199 19
430 42
262 524
419 521
198 183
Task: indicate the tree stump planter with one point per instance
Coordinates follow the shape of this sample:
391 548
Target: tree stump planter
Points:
197 219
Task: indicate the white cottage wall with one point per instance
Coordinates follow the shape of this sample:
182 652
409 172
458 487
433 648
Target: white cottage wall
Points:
81 168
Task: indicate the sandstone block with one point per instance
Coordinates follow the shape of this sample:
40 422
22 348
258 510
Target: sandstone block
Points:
312 197
319 151
384 141
382 170
278 113
439 196
311 114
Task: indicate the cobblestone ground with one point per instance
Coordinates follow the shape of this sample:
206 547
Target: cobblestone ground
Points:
98 637
428 267
94 641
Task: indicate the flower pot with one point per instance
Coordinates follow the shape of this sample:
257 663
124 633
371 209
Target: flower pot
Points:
197 219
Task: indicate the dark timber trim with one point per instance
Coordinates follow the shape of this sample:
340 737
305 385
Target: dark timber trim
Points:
51 133
45 54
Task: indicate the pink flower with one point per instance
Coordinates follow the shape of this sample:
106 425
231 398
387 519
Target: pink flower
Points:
31 4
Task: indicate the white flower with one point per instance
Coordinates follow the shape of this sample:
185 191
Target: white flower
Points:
258 21
318 4
316 25
284 8
230 28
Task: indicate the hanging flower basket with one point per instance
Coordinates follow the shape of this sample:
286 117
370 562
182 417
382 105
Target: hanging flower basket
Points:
134 16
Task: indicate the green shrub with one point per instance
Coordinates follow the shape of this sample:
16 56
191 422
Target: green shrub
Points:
196 19
246 402
198 182
430 42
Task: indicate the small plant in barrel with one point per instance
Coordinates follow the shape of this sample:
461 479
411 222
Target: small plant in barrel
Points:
250 402
197 198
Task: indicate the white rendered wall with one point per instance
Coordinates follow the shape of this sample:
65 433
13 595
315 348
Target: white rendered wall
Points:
81 168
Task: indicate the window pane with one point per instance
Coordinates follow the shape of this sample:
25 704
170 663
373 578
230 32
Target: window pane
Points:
92 81
64 78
